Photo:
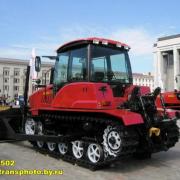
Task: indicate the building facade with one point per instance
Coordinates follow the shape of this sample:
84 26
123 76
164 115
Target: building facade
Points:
144 80
13 76
167 62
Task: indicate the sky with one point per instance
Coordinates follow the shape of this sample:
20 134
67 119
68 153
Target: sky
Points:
47 24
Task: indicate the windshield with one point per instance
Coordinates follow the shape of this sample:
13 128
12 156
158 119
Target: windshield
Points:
110 65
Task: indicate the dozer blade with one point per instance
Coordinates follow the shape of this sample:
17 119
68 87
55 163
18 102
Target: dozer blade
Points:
12 114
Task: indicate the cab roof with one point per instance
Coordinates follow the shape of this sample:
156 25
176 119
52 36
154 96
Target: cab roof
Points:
94 40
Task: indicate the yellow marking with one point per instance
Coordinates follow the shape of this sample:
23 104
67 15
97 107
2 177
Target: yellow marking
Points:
155 131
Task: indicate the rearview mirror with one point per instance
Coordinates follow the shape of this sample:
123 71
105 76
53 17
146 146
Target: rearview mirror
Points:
37 64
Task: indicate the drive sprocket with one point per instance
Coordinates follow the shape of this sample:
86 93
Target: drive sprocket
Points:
112 141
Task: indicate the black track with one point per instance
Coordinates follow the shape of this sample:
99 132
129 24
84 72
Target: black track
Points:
129 145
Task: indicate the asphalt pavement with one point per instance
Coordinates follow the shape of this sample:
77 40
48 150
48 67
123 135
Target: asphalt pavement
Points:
162 166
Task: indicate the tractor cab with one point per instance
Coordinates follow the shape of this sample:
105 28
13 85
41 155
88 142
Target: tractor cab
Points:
92 60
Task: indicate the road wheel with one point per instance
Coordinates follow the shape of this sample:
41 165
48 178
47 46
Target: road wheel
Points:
51 146
77 149
63 148
95 153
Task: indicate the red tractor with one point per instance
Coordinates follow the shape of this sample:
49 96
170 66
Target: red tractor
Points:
91 113
171 100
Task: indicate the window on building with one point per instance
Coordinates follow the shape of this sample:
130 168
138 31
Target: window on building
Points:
16 80
6 88
16 71
16 88
6 80
6 71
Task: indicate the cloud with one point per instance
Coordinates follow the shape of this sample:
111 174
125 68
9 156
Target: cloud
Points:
23 51
9 52
40 46
140 40
67 34
172 27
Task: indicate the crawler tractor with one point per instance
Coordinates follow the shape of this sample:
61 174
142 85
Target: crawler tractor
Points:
91 114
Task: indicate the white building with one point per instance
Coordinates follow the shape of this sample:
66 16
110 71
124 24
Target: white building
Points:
144 80
13 75
166 62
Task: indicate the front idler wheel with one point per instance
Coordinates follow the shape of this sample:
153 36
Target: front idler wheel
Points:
95 153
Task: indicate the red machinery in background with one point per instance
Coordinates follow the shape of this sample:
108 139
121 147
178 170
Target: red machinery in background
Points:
171 100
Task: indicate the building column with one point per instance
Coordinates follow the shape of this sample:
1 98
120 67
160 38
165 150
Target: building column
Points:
155 69
160 70
176 66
